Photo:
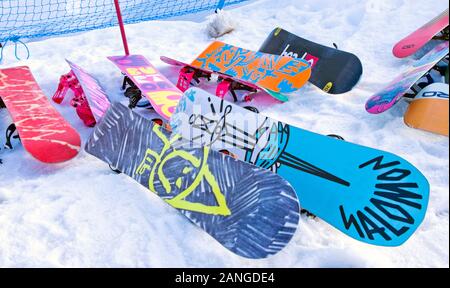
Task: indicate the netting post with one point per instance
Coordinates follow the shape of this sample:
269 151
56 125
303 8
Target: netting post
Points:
220 5
122 28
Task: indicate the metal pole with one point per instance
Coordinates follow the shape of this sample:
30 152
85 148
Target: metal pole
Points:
220 5
122 28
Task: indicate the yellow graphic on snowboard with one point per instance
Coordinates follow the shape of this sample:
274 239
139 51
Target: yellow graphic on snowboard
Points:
155 162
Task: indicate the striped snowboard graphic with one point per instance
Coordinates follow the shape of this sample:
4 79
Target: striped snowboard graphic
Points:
250 211
390 95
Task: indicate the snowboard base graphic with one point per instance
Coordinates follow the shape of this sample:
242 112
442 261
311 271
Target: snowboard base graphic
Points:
144 80
250 211
190 74
371 195
276 75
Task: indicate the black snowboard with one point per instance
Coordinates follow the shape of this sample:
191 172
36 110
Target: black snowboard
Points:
334 71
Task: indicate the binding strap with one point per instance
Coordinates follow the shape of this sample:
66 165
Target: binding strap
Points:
10 135
418 86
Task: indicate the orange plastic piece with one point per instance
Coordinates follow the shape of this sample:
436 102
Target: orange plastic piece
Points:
429 115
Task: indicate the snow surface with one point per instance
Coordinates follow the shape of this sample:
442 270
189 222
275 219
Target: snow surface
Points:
81 214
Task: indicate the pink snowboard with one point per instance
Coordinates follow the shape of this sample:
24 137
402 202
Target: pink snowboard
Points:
95 95
161 93
43 131
416 40
390 95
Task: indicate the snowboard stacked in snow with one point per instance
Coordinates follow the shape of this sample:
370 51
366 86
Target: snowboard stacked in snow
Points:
90 101
249 210
429 110
394 92
242 69
44 133
334 71
418 39
371 195
144 80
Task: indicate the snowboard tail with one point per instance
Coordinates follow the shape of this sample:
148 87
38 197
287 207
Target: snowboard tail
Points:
416 40
333 71
44 133
429 111
396 89
370 195
250 211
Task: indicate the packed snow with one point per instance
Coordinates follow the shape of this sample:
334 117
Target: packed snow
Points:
81 214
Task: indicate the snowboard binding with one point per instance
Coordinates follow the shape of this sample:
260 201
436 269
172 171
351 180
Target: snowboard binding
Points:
190 76
437 71
70 82
228 153
443 35
338 137
228 85
11 133
134 94
162 123
252 108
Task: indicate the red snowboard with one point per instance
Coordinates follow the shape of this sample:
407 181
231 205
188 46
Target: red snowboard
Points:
43 131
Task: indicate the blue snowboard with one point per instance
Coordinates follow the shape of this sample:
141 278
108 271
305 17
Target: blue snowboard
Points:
250 211
371 195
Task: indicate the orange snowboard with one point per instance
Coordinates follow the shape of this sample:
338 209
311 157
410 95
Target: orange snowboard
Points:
429 110
280 74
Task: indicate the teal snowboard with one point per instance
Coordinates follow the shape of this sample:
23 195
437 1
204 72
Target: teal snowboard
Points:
371 195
